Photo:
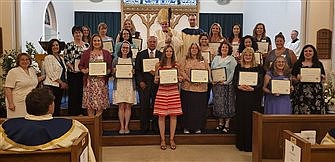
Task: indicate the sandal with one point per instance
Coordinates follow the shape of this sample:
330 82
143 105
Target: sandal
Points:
172 144
226 130
163 145
219 127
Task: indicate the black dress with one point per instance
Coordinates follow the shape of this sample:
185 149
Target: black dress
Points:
308 98
246 103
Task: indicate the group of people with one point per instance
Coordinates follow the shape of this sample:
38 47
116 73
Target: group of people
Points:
184 51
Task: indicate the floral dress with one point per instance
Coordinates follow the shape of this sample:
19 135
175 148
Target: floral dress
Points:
95 96
308 98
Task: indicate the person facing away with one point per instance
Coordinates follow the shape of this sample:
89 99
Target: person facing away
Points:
38 130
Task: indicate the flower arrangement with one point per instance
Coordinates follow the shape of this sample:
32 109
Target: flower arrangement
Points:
329 91
8 61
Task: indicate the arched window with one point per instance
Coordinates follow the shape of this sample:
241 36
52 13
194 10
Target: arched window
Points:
50 22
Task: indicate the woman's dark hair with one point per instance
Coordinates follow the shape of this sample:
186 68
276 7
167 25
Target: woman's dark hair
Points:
130 53
77 28
315 58
230 48
38 101
163 61
19 57
280 35
199 56
130 40
91 42
230 39
50 46
253 43
204 34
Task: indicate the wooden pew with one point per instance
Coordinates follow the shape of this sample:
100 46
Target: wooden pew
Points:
309 152
268 131
70 154
94 125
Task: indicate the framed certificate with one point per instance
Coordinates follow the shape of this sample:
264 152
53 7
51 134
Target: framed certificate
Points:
134 51
214 46
248 78
258 57
280 86
149 64
138 43
199 76
124 71
108 45
235 47
97 68
76 65
263 47
310 75
219 74
207 56
168 76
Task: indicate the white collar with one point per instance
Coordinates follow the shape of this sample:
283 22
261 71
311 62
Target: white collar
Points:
40 117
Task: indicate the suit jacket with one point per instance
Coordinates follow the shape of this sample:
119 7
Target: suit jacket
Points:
139 74
53 70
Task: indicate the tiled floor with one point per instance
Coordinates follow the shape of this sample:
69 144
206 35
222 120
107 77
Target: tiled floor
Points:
183 153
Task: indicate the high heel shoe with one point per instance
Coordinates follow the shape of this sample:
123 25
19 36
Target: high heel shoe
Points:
163 145
172 144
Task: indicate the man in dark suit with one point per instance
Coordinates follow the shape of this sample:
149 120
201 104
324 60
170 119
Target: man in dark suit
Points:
147 89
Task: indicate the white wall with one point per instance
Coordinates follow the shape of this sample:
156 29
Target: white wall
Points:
104 6
278 16
32 20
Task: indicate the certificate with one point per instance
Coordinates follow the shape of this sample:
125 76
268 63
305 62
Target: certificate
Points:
258 57
263 47
214 46
248 78
124 71
292 152
310 75
199 76
280 86
108 45
138 43
97 68
123 61
207 56
134 51
76 65
235 47
219 74
149 64
168 76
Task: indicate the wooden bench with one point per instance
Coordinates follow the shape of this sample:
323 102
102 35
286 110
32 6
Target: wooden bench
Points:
268 131
70 154
94 125
309 152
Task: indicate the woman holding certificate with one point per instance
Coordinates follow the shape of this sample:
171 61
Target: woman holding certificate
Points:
95 63
280 50
195 71
308 73
223 89
263 41
167 98
235 40
124 85
248 82
277 87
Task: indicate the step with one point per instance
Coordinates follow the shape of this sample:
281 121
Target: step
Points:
180 139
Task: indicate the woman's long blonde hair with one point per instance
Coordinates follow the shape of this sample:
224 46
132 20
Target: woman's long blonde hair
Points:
253 61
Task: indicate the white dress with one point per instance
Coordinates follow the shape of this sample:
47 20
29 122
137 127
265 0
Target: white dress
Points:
21 84
125 91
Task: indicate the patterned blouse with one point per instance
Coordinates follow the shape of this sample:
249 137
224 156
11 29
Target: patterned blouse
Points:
185 71
73 52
